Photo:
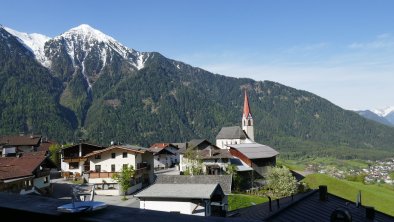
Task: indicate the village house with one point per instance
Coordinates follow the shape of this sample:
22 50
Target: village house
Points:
73 160
201 195
26 173
213 159
254 155
105 162
13 144
165 155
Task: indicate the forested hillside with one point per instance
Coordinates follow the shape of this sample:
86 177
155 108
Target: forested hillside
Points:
162 100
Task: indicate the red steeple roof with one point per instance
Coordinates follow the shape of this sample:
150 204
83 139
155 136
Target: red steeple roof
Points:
247 112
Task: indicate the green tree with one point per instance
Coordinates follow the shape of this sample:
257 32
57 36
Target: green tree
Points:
280 183
124 179
237 180
391 175
54 151
193 162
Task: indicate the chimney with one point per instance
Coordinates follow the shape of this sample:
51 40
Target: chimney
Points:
358 199
323 192
370 213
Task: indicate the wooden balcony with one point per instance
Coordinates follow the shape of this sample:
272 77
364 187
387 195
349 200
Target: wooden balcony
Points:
143 169
94 175
74 159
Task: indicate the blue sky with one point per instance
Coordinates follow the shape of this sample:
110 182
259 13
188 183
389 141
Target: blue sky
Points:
340 50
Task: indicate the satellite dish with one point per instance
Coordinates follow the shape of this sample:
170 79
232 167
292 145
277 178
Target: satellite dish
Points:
341 215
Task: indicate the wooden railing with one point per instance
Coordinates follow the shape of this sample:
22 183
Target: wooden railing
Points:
141 169
101 174
73 159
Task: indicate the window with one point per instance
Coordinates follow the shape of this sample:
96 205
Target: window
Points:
113 155
125 166
97 156
46 180
124 154
113 168
97 168
73 165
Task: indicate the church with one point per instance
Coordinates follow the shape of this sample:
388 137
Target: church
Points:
248 155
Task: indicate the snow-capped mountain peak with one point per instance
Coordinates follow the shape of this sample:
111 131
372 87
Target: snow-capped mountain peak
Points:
87 36
384 112
88 32
33 42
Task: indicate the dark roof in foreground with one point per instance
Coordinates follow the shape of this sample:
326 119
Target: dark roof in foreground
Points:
307 207
224 180
231 132
44 209
255 150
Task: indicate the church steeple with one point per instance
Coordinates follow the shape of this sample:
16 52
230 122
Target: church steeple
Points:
247 119
247 112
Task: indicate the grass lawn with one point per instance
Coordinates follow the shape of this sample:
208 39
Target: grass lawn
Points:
378 196
236 201
301 164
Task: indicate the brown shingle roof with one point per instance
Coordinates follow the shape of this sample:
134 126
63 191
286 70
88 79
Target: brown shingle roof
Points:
17 140
128 148
15 167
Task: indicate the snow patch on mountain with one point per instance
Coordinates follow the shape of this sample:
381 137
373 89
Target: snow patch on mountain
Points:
384 112
33 42
89 37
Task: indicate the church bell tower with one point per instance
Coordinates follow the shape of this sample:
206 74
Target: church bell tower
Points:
247 119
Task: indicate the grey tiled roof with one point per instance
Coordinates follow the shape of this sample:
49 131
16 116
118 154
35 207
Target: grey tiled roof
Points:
255 150
195 142
224 180
232 132
214 154
183 191
180 145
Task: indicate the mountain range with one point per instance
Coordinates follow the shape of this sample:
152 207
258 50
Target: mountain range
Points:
83 84
384 116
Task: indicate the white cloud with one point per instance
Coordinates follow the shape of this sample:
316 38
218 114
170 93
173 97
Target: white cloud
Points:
307 47
383 41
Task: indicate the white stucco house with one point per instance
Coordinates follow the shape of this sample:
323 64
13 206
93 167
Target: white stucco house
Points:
104 163
73 160
165 155
213 160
